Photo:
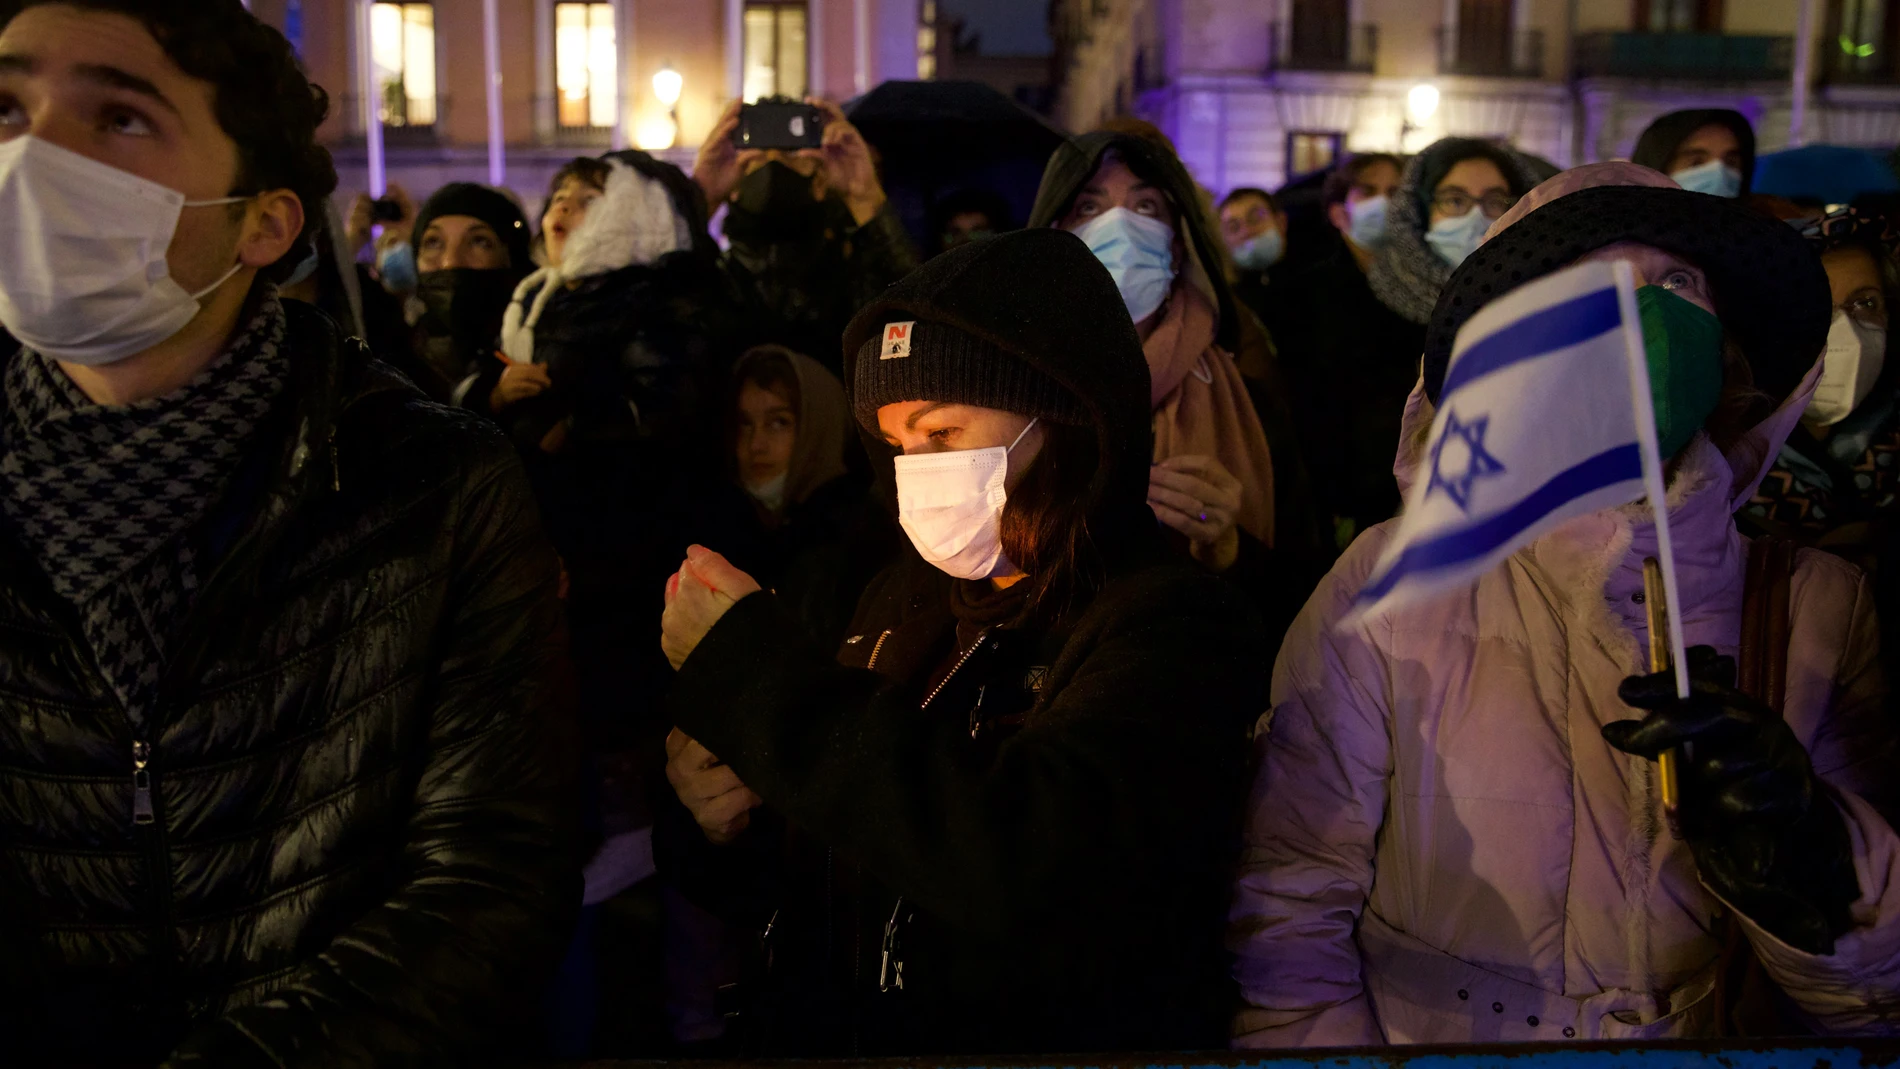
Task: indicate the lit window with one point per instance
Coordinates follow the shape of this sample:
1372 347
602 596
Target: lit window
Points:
585 64
402 48
774 50
1864 30
1309 151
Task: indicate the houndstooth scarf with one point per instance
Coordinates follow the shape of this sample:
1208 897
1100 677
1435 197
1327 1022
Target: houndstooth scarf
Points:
105 497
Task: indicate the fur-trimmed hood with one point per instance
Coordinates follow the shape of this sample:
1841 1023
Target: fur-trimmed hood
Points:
648 211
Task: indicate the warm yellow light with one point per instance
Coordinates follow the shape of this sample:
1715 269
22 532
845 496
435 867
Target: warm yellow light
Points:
1422 102
655 132
667 85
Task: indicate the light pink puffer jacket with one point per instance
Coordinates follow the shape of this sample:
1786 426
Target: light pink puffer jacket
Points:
1441 848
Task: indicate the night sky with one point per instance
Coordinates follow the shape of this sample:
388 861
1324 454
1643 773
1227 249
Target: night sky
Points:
1009 27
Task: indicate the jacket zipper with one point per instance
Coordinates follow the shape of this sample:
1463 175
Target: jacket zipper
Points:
141 783
954 669
877 649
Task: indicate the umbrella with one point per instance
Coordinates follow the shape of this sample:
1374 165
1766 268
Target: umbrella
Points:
938 138
1824 174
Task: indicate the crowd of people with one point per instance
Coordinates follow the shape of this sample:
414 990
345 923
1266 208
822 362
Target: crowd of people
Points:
693 617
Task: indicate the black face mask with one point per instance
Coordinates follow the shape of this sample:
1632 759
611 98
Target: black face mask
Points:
465 305
775 204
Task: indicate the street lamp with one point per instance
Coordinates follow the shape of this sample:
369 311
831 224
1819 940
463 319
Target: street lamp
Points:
667 85
1421 103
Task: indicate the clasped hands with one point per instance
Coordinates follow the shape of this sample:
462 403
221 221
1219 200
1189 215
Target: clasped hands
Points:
702 591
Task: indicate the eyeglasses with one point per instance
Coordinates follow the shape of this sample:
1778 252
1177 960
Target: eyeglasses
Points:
1458 202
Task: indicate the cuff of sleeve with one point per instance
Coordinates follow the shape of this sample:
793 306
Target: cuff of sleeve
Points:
1842 989
723 689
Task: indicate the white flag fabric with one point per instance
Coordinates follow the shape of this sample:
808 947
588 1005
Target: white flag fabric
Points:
1545 414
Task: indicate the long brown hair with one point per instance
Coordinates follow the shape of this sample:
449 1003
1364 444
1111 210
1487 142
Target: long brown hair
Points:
1046 524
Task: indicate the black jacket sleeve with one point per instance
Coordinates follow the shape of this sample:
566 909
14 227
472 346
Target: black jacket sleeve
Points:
493 883
1123 781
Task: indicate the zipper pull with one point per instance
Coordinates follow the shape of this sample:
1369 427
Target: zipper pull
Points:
336 473
141 783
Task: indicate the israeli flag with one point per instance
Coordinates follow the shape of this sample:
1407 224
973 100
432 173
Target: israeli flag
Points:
1545 415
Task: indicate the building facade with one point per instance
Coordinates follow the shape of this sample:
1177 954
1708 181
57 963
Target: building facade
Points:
574 78
1258 92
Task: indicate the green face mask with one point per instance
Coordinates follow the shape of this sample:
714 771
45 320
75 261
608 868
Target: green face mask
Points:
1684 347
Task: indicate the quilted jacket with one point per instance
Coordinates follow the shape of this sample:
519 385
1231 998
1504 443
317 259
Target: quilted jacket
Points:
360 838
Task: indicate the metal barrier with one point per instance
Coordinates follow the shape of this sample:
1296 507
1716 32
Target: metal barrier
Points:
1693 1054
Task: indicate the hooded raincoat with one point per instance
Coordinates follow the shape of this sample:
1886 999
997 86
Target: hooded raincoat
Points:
1441 846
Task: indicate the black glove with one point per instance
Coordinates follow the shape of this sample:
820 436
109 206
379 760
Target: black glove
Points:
1763 833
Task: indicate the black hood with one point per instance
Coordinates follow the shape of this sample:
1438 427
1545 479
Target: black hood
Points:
1076 160
1657 146
1038 296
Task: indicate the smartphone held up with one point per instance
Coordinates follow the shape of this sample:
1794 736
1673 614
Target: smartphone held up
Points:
779 125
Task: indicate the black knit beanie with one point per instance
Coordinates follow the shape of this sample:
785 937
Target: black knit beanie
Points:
488 205
918 360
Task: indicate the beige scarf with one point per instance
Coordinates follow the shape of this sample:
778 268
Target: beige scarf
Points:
1201 405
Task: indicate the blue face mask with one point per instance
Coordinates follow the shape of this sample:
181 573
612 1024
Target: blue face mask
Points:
1458 237
1260 253
305 268
1715 178
1366 221
1138 251
398 267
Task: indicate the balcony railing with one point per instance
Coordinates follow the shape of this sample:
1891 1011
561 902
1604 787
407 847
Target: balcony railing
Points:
1696 56
566 134
1335 47
399 127
1484 53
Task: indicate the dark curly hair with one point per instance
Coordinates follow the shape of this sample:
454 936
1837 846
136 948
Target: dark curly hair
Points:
261 97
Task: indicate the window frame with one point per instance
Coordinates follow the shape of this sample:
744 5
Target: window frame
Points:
777 8
436 99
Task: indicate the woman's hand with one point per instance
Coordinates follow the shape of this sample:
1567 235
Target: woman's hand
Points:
1197 496
696 597
721 164
398 232
721 804
849 168
518 383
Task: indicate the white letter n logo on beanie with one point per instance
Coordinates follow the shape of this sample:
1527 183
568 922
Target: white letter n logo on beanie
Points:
897 340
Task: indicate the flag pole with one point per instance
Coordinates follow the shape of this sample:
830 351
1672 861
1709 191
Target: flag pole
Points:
1653 485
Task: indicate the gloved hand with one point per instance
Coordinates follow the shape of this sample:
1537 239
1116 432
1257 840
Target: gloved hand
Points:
1763 832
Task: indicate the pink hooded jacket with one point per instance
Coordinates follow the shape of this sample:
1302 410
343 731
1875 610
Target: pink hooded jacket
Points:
1441 848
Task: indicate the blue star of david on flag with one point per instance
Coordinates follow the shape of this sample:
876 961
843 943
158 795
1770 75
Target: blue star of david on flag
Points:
1467 457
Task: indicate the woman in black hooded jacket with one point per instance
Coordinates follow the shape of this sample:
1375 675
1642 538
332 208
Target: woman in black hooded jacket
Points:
1002 818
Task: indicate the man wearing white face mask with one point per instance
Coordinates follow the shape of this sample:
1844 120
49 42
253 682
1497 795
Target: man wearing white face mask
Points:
1027 746
280 637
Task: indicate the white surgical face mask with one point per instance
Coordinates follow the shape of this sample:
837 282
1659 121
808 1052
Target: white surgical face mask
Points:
1458 237
1856 354
951 506
770 493
1715 178
1366 222
84 278
1138 251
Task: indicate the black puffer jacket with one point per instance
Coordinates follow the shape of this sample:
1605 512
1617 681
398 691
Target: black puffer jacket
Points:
361 764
